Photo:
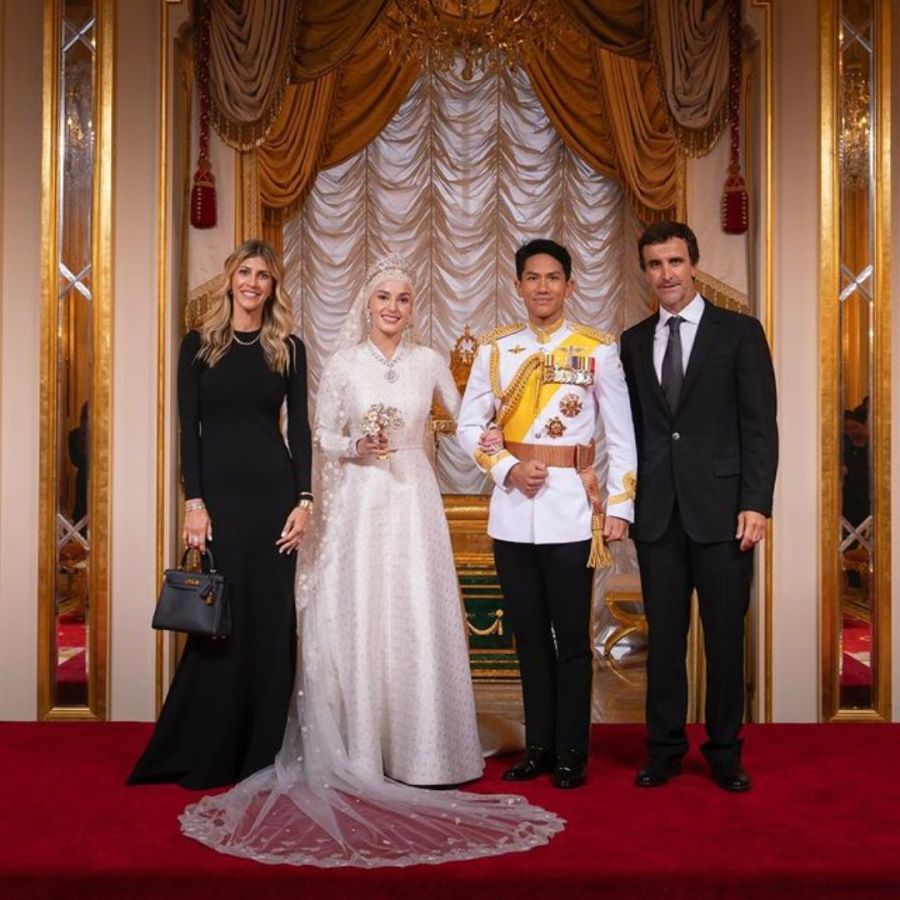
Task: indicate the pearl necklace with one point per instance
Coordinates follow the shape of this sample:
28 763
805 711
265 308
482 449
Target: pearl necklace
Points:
391 374
249 343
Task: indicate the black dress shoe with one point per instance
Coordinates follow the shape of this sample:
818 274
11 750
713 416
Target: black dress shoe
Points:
731 778
658 771
571 769
536 761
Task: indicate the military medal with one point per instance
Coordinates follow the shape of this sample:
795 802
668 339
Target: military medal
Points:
576 369
555 428
570 405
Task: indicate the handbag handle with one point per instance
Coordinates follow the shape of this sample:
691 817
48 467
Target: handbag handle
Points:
207 563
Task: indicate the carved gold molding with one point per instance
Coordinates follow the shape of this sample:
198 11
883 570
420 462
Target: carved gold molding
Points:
248 223
162 330
767 305
720 293
198 301
49 427
99 501
881 436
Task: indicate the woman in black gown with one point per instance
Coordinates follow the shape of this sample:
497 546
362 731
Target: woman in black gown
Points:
248 495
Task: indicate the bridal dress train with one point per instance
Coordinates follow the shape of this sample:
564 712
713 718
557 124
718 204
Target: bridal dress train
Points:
383 696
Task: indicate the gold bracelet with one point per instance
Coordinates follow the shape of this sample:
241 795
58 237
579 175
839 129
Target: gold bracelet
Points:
194 505
306 504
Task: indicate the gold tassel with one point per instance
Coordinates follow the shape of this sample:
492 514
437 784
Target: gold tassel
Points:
600 557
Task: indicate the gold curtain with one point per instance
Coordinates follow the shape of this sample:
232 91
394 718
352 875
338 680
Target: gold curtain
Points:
645 147
324 121
617 25
609 111
251 46
330 33
690 39
599 84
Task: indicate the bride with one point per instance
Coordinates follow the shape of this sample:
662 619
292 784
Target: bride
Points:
383 696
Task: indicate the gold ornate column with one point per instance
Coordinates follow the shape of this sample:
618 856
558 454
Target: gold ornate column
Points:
855 361
76 359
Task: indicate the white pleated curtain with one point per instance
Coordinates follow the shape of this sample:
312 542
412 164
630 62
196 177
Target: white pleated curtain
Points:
465 173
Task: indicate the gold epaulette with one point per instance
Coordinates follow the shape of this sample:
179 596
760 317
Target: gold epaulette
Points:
602 337
500 331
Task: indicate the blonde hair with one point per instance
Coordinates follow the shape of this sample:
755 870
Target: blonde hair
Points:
216 332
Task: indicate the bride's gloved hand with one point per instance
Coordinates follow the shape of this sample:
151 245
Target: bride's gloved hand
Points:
491 441
372 445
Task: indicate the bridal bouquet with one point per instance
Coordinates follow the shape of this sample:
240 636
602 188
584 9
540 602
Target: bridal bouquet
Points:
379 419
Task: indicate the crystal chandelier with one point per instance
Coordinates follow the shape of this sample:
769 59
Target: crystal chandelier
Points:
486 34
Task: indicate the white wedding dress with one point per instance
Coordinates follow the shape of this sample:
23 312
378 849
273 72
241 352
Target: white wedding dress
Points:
383 686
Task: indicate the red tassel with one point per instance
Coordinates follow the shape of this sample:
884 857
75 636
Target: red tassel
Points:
203 198
735 205
203 193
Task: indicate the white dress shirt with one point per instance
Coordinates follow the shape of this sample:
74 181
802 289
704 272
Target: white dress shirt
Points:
691 316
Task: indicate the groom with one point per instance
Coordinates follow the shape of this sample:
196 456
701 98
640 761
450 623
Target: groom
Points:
545 383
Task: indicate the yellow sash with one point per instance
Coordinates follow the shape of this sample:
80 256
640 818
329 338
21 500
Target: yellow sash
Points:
534 395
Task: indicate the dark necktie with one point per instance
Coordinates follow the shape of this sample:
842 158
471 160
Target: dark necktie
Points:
672 374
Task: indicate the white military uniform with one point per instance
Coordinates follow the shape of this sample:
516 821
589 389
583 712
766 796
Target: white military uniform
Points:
547 389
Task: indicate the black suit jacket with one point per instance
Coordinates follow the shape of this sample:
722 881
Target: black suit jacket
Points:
718 454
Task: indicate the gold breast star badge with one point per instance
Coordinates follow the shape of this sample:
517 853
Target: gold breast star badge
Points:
570 405
555 428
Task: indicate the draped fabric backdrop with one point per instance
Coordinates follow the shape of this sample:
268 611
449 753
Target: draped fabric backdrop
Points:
357 150
464 173
624 84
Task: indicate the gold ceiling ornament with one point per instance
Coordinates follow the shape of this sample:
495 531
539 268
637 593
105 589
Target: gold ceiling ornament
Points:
487 34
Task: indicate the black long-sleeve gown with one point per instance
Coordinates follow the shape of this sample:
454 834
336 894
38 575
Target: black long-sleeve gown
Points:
225 712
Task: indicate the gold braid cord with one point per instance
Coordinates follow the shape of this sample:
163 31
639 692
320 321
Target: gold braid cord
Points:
603 337
509 399
500 331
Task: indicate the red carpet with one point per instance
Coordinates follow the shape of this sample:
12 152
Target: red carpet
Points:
71 643
823 821
856 645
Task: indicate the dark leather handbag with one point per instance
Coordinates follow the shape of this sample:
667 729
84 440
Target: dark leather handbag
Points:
194 602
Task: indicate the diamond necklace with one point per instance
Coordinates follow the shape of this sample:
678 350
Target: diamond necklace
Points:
391 374
249 343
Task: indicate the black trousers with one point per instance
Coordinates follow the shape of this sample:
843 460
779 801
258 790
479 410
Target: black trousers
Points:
547 588
671 568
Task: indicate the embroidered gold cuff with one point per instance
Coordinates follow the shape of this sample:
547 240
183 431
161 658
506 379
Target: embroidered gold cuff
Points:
487 461
629 481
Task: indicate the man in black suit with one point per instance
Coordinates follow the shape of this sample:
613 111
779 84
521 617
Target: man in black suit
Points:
702 393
